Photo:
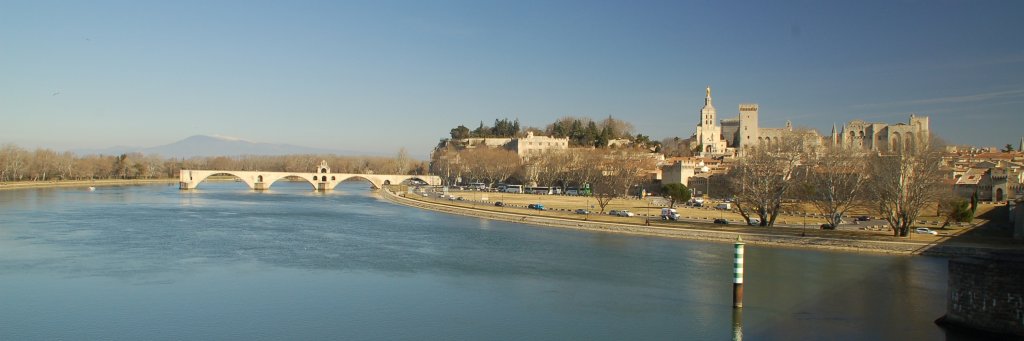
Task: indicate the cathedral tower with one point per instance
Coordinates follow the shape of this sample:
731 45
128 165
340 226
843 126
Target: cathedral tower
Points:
709 134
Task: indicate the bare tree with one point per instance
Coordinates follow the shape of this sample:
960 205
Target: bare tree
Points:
903 182
546 168
401 162
490 164
15 162
584 166
620 170
834 181
42 164
763 176
446 163
617 128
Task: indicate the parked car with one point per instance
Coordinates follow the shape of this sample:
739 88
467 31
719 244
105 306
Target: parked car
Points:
863 218
622 213
754 221
925 230
827 226
459 199
721 221
499 204
582 211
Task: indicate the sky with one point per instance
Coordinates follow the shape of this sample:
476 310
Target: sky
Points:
378 76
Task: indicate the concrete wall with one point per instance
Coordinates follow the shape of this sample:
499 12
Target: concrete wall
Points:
986 293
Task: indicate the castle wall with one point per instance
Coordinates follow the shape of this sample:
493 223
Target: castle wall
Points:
985 293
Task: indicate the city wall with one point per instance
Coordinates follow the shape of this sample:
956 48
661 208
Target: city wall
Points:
986 293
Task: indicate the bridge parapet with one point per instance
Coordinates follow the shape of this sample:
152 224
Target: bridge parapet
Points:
189 179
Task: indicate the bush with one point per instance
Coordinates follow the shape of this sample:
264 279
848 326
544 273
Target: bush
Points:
963 212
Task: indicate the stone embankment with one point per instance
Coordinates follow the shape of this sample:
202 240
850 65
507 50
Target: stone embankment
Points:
696 231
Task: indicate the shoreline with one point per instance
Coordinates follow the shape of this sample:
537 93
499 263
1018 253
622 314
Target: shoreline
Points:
9 186
689 231
694 231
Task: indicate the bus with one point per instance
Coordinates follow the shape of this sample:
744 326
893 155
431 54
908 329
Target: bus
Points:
577 191
540 190
477 186
514 189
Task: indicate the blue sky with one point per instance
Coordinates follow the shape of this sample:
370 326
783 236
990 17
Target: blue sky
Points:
376 76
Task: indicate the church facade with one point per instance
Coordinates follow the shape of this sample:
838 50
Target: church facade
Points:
728 137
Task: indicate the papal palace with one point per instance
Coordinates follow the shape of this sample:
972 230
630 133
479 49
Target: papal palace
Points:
728 137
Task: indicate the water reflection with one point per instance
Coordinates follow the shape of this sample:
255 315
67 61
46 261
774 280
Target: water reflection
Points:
344 264
737 324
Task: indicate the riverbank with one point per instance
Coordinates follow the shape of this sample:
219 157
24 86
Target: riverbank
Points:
83 183
773 237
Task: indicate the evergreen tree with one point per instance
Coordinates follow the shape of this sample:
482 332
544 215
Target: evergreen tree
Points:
590 135
675 193
576 133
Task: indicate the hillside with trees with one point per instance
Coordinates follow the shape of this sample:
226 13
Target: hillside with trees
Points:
581 131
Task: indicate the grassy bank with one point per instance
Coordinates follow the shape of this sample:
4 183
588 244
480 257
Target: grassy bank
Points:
699 227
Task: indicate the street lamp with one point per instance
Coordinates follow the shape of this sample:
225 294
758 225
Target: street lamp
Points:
647 216
803 233
707 192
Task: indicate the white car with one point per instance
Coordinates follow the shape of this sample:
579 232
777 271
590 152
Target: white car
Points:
925 230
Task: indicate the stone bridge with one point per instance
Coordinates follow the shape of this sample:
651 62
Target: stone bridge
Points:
321 180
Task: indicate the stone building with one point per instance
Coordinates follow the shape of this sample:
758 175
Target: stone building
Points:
709 135
523 146
995 177
680 170
728 137
536 144
884 137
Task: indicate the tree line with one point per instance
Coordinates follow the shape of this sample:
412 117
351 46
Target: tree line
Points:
581 131
896 184
609 173
20 164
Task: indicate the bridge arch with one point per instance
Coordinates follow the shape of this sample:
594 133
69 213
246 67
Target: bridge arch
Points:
198 177
271 179
375 183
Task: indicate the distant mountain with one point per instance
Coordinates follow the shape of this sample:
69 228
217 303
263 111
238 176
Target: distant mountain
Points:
204 145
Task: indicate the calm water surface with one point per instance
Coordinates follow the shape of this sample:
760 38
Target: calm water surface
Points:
223 262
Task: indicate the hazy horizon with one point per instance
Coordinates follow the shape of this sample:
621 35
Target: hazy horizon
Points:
377 77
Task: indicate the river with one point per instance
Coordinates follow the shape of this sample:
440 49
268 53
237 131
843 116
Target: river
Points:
224 262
